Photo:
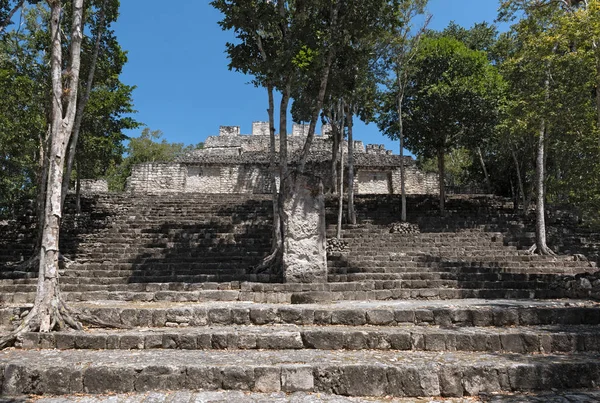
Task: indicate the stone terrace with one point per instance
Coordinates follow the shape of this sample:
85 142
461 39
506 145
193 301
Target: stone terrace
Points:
451 309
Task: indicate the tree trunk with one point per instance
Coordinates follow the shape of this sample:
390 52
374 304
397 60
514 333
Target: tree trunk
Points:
518 169
350 123
284 175
540 220
77 194
488 183
341 192
273 164
442 176
322 90
402 168
82 104
597 53
49 311
334 155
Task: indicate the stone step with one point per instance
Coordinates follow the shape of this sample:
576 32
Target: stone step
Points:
111 284
351 373
222 396
460 313
375 290
520 340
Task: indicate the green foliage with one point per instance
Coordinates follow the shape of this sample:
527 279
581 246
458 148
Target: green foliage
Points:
452 99
25 102
556 40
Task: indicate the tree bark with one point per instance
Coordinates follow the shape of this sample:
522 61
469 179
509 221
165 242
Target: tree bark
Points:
49 311
518 169
540 220
350 124
488 183
82 104
442 175
402 168
341 192
596 47
276 244
335 155
322 90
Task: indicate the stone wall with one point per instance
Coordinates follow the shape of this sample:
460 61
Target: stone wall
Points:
94 186
228 179
373 182
416 182
155 177
235 163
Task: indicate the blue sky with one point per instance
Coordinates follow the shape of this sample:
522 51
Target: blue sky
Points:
184 88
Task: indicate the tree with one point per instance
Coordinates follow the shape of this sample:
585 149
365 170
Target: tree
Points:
549 71
401 45
49 310
285 45
451 100
65 64
23 100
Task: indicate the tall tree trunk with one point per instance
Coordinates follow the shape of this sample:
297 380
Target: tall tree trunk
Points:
49 311
41 191
488 183
597 53
276 244
350 124
442 176
82 104
335 155
402 168
322 90
540 179
341 191
519 178
77 193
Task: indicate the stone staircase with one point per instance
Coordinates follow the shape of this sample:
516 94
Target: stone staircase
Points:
454 310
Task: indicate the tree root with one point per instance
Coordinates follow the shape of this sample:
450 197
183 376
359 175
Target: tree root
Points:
545 251
270 264
31 263
62 318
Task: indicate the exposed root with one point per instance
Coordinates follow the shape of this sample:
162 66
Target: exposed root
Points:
94 321
30 264
545 251
62 318
270 264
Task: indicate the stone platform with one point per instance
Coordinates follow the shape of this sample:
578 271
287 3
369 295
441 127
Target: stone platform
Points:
453 309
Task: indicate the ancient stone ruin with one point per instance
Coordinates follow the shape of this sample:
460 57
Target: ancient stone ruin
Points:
441 306
236 163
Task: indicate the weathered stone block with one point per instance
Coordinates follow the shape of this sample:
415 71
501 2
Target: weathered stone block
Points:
267 379
160 377
109 379
204 378
297 379
380 317
323 340
236 378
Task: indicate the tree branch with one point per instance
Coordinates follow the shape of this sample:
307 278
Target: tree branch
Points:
6 22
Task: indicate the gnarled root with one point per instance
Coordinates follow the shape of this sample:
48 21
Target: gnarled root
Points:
545 251
270 264
61 318
58 318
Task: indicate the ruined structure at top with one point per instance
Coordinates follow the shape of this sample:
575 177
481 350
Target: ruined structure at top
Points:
236 163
